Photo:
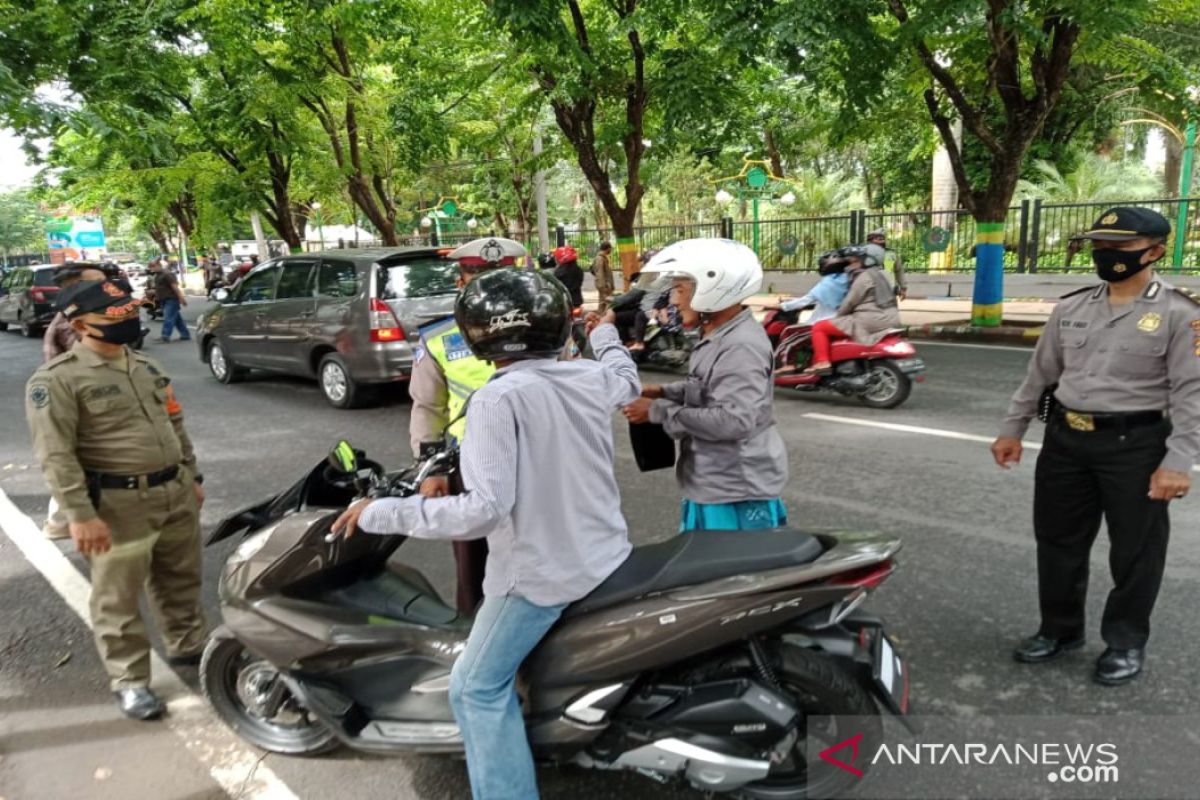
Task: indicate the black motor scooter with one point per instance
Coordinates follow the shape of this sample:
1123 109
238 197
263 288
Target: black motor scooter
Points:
701 658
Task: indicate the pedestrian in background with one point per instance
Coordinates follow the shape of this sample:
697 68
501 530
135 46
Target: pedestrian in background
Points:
732 464
1117 373
109 434
171 298
569 273
603 275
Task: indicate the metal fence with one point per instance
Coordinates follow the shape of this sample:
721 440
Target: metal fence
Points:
1037 237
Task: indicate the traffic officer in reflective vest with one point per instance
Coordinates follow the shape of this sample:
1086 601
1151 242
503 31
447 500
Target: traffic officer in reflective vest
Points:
445 373
109 434
1117 376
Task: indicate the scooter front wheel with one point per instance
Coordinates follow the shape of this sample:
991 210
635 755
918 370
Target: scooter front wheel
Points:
247 693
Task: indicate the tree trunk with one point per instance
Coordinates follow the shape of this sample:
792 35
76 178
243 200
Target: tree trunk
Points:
1173 166
773 153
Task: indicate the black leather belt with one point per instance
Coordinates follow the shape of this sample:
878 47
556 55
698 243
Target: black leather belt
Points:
1087 423
133 481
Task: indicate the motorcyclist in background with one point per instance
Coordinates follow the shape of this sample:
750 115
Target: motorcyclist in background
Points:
828 293
569 273
869 309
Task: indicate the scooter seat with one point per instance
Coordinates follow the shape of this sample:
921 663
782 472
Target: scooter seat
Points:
697 557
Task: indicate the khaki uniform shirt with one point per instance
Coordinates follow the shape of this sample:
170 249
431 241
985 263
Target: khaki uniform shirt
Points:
1142 356
602 272
87 413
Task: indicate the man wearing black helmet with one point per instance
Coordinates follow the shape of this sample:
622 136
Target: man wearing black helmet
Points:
540 429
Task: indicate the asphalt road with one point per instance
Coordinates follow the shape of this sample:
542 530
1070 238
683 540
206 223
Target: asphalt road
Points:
964 594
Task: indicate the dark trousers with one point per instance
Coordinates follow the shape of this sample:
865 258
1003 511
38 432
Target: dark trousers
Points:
470 558
1082 476
632 324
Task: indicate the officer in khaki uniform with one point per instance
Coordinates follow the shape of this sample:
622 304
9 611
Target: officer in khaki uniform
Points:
445 373
109 434
1117 375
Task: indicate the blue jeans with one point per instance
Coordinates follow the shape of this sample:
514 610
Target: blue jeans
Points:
173 319
483 695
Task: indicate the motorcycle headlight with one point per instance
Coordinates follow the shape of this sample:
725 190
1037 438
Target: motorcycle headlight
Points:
250 546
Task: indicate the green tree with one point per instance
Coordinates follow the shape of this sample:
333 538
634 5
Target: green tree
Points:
22 228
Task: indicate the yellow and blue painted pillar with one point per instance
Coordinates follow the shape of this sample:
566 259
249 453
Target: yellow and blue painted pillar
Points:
987 309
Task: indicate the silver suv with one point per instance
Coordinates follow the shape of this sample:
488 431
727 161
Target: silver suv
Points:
349 318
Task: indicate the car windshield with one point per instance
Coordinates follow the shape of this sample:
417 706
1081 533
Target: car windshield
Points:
422 276
43 277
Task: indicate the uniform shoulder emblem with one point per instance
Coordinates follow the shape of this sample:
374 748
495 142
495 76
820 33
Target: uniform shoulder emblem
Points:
1188 294
1074 292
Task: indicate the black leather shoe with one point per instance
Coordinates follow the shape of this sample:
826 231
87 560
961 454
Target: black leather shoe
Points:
1037 649
139 703
1115 667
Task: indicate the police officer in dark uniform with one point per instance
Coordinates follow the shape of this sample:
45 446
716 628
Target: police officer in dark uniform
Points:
1117 376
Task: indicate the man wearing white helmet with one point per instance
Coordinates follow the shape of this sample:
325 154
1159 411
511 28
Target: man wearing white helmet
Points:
732 464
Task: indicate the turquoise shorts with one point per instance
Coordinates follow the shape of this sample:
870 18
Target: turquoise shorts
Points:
747 515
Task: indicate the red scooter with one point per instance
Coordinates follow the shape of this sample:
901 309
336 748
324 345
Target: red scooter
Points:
879 375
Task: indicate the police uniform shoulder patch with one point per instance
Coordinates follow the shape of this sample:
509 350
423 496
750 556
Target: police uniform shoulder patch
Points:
1074 292
39 395
1188 294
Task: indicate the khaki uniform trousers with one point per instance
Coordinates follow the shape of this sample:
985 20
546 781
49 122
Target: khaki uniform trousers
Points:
155 546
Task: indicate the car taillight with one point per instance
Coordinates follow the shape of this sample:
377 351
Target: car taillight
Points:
384 325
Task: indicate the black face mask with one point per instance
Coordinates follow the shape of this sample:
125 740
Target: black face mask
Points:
125 332
1115 266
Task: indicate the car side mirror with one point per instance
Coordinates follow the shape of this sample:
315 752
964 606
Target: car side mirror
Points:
343 458
221 295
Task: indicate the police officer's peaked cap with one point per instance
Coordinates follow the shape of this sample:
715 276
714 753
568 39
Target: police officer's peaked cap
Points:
1123 223
489 251
95 297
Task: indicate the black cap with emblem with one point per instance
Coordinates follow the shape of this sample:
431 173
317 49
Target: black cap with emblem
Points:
95 297
1124 223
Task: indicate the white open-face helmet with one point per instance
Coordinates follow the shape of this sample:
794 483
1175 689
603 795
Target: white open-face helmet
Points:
726 272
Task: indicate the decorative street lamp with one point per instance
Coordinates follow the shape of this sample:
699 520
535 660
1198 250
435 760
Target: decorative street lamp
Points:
446 217
755 181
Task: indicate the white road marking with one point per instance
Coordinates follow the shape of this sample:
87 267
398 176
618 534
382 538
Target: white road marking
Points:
895 426
919 343
233 765
917 429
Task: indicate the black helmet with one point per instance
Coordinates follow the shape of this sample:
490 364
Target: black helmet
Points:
511 314
866 253
830 263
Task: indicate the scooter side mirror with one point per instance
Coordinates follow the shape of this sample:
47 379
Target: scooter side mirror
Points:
343 458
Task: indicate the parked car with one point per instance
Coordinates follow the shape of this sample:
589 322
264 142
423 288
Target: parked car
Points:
27 298
347 318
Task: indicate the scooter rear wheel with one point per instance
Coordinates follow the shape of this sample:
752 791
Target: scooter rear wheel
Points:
239 686
887 386
821 689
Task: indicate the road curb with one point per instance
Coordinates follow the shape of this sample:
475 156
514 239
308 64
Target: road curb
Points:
1005 334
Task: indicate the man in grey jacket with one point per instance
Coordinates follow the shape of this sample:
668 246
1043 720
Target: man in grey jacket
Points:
732 466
